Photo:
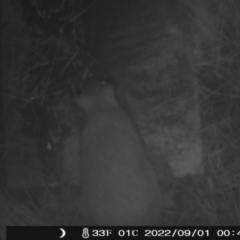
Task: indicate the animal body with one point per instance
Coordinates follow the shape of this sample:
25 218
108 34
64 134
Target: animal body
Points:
119 184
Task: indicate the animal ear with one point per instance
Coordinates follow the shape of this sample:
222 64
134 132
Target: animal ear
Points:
109 91
77 100
81 102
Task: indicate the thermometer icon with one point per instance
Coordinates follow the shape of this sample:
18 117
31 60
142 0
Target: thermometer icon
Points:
85 233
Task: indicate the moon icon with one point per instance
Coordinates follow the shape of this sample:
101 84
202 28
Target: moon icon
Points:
63 233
